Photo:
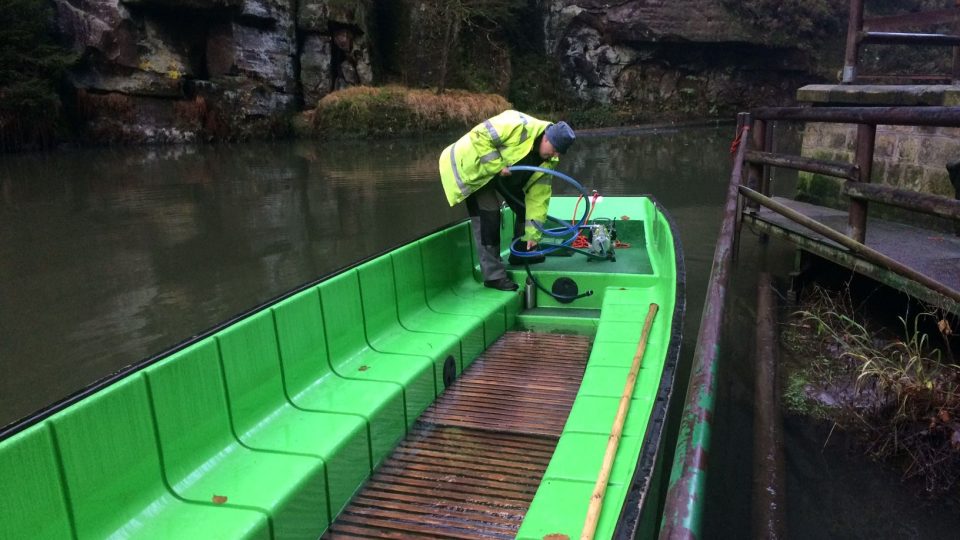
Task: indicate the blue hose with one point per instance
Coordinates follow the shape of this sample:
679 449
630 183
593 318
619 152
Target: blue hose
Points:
566 228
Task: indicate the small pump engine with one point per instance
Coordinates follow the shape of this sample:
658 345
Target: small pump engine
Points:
602 235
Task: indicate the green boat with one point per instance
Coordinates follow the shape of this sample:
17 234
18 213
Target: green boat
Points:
395 398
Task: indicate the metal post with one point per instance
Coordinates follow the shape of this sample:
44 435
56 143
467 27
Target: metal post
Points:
683 505
854 27
767 147
866 139
769 474
743 122
755 170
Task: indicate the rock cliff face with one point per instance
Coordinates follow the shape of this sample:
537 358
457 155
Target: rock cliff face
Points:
695 54
193 70
189 70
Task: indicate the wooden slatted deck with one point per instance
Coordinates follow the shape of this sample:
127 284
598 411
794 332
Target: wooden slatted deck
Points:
472 464
936 254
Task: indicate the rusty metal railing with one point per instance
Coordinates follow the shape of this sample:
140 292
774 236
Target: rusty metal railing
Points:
683 510
683 506
862 251
857 175
885 31
857 185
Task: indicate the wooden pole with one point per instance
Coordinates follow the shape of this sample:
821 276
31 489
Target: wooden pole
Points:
600 488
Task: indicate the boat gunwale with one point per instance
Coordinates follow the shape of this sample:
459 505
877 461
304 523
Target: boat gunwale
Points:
636 497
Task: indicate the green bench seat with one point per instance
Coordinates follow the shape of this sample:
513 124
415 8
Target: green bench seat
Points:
465 280
311 383
264 419
378 294
353 358
451 288
267 428
202 458
33 500
414 313
114 478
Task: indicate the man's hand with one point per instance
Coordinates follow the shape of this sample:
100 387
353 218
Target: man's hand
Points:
504 172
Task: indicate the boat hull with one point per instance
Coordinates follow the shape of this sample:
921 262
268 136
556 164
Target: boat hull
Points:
270 424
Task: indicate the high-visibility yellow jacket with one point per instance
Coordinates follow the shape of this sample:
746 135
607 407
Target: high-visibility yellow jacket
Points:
502 141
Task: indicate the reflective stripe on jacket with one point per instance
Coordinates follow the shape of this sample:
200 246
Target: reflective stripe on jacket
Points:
477 157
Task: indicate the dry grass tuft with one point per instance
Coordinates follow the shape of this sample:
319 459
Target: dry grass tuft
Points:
900 391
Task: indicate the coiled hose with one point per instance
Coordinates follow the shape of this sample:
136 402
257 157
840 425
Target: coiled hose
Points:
573 229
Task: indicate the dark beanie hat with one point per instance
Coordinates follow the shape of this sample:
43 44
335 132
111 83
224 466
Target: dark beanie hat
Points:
561 136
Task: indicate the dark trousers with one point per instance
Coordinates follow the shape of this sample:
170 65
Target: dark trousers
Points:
483 206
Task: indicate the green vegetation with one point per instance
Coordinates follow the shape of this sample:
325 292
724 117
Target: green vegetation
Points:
899 391
817 27
803 23
795 398
31 65
820 189
808 24
443 22
536 84
396 110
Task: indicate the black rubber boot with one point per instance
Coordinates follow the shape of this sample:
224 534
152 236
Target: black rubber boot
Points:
503 284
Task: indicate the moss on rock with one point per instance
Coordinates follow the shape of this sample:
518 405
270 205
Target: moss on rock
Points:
395 110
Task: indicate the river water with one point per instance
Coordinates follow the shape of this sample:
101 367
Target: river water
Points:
109 256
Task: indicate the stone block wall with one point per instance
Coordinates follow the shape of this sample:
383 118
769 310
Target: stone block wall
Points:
905 157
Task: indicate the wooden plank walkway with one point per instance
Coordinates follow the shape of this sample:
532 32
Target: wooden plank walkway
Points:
934 253
473 462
